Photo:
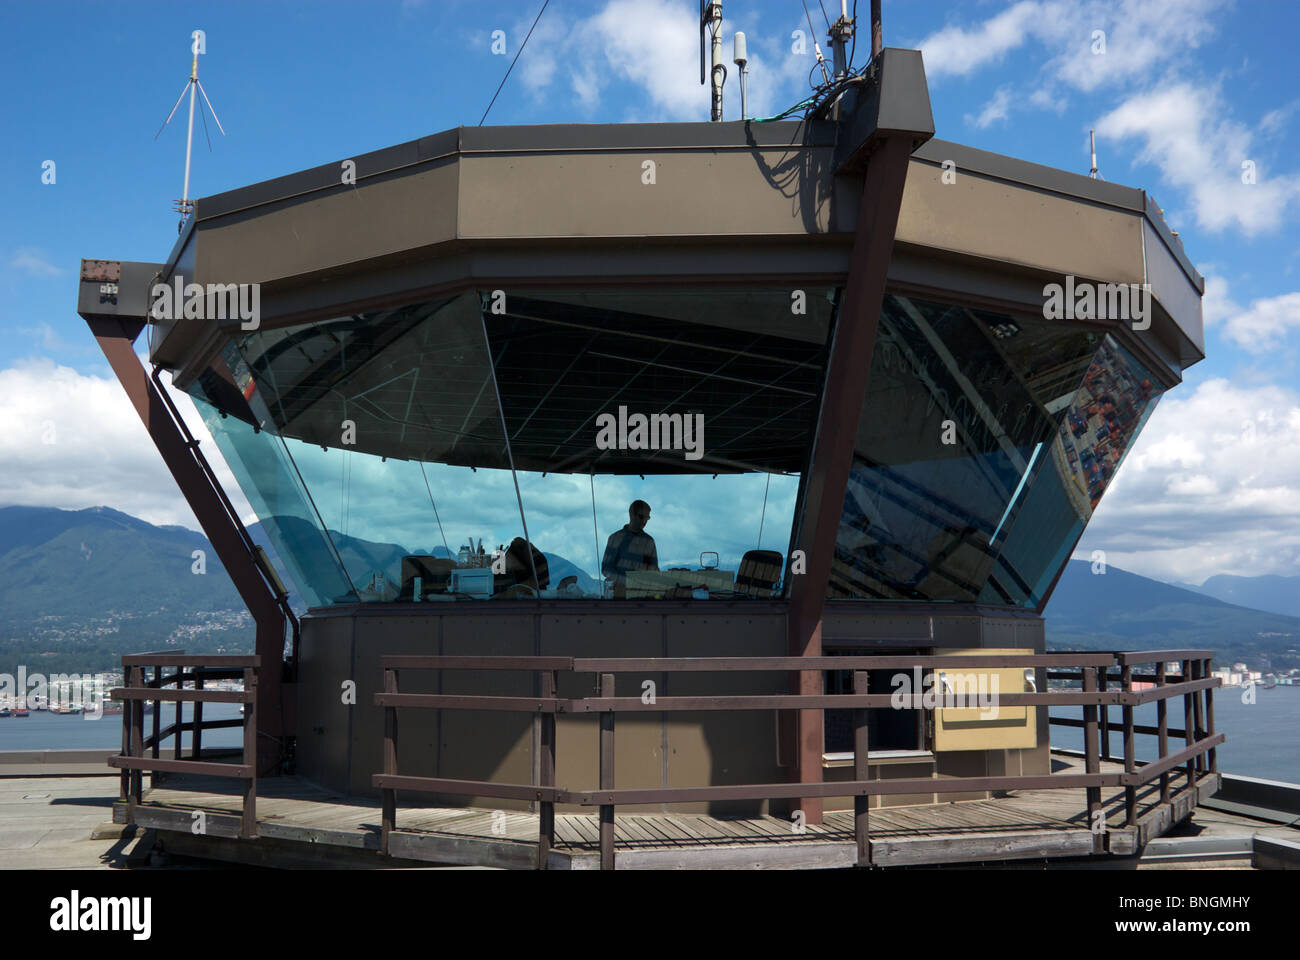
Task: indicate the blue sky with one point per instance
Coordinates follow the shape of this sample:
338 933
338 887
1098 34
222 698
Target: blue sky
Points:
1181 96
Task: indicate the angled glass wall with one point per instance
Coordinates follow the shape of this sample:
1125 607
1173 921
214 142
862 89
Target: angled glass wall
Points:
645 443
985 443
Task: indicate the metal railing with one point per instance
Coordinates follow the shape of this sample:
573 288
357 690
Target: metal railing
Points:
1093 669
142 688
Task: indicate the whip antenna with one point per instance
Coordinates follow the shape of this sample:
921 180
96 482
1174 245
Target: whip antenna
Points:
184 206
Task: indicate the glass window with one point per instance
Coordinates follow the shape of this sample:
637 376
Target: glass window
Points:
984 444
437 442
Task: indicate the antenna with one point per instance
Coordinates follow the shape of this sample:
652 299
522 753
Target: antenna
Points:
1092 149
711 22
184 206
841 32
741 59
821 61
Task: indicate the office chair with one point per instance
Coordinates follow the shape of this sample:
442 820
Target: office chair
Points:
759 573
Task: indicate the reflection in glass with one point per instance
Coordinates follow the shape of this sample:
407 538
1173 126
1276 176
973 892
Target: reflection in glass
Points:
967 484
404 425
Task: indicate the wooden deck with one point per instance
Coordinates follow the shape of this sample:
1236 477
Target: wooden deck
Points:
300 823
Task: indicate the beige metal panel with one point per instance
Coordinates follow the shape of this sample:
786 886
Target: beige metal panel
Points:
731 747
997 220
460 744
971 763
325 650
892 768
1175 291
638 739
974 728
381 215
484 745
695 193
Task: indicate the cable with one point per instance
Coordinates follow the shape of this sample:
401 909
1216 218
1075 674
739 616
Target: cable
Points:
763 516
514 61
595 532
435 510
853 48
824 17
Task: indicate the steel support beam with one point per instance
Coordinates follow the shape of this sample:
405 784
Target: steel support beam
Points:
116 337
846 389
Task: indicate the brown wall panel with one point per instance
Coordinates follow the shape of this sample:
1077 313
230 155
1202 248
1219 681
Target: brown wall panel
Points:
325 651
725 747
1004 221
638 738
695 193
380 215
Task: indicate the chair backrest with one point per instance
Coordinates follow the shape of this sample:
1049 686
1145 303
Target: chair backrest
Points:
518 569
759 573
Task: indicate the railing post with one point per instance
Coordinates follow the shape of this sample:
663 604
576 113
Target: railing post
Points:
1102 673
1091 762
1189 730
1209 719
607 774
137 738
196 742
180 713
248 826
1130 760
546 770
128 713
861 801
1197 674
154 777
1162 718
389 821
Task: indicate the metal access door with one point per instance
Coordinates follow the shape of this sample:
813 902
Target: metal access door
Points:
984 725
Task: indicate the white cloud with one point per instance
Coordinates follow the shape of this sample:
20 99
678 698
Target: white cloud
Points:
1264 325
652 46
32 262
1185 132
1216 304
73 441
1211 486
958 50
994 110
1137 37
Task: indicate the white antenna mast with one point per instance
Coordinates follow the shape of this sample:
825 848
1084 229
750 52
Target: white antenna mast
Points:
198 45
741 60
711 21
1092 149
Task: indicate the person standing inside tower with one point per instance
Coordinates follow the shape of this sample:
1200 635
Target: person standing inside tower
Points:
630 548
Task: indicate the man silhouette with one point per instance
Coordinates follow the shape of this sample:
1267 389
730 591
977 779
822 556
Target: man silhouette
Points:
630 548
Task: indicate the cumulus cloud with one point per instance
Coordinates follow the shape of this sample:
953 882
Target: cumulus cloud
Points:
73 441
1185 131
1212 486
994 110
1264 325
1085 45
652 47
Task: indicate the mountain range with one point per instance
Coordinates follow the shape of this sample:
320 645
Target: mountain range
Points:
80 587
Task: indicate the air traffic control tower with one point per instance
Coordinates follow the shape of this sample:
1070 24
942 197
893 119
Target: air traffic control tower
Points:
821 352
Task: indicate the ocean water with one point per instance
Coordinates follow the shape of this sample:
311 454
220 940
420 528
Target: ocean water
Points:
42 730
1263 738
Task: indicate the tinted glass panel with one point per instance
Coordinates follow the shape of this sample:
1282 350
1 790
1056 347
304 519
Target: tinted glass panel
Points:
965 484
